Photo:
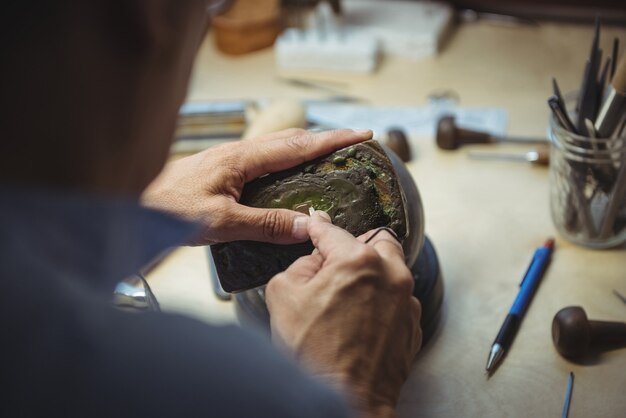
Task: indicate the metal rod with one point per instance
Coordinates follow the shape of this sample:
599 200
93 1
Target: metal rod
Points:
533 157
568 395
619 295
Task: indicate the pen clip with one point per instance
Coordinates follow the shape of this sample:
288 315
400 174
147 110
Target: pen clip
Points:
528 270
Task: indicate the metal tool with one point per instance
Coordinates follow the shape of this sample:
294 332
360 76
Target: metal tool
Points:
557 104
619 295
588 96
614 105
568 395
614 57
451 137
219 292
575 336
560 114
535 157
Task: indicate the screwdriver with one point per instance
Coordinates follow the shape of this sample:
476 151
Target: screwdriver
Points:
450 136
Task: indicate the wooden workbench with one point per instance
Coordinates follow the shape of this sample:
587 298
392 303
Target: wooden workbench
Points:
484 217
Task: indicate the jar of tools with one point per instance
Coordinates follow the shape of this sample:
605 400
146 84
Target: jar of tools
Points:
588 186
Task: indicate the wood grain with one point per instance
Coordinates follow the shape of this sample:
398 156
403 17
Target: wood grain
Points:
485 219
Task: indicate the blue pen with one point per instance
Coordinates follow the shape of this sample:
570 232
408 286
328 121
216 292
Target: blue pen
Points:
529 284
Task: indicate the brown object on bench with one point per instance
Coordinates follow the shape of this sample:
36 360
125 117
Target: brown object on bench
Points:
575 336
247 26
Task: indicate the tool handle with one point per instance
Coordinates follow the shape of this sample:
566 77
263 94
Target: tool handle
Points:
278 115
541 157
607 332
397 141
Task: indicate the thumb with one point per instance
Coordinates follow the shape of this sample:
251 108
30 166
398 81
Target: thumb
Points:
278 226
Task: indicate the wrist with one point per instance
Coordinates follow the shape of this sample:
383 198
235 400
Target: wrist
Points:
366 403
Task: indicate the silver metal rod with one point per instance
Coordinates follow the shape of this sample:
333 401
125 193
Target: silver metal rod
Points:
534 157
521 140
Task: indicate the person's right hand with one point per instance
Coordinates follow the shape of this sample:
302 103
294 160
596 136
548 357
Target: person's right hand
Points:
347 313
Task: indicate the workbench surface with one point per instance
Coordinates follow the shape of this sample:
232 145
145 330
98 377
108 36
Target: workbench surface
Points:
485 219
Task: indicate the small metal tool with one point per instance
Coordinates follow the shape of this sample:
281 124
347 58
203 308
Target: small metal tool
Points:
568 395
589 90
451 137
614 57
561 114
534 157
613 106
620 296
557 104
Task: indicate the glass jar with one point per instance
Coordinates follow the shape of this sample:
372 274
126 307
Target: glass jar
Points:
588 187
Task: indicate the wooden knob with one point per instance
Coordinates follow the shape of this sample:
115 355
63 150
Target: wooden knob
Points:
575 336
397 142
450 137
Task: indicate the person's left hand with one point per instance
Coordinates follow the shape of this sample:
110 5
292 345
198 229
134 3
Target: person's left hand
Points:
207 186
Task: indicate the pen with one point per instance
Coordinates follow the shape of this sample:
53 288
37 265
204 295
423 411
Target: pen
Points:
529 284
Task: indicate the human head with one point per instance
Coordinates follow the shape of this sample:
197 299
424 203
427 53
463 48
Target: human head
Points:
90 90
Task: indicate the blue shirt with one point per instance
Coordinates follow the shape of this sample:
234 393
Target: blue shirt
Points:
68 352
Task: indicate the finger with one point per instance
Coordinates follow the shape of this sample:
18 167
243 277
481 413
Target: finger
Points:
369 235
304 268
328 239
415 309
285 133
280 154
385 244
278 226
300 272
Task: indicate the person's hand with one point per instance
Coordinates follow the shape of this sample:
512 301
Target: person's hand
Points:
347 313
206 187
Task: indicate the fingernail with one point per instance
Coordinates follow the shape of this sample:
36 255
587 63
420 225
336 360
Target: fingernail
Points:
299 229
363 131
324 215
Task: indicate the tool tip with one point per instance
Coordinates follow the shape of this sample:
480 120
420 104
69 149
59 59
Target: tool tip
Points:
549 243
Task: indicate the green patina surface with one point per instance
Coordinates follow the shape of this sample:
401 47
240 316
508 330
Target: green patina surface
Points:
356 186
